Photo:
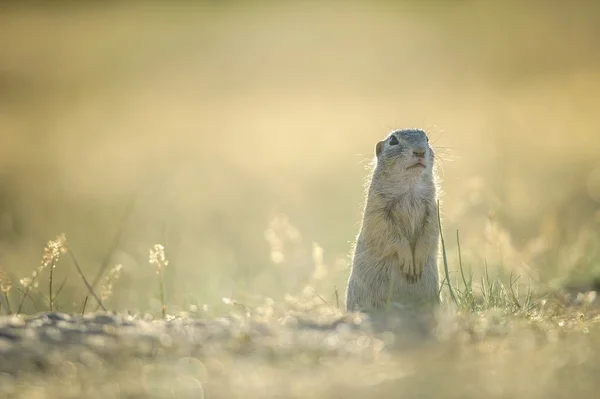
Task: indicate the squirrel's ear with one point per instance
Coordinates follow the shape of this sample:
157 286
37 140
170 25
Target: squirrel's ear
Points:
379 148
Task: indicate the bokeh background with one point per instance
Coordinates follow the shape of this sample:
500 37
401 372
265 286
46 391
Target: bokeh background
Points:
239 135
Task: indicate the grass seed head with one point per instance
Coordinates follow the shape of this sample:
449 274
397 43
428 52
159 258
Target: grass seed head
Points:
5 281
157 257
52 251
106 284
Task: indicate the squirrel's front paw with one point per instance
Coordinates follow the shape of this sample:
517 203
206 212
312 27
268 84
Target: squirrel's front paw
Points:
419 266
420 259
407 265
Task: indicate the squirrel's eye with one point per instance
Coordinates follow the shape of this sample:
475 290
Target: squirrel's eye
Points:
394 140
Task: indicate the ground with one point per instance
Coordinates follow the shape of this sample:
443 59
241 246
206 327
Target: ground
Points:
305 348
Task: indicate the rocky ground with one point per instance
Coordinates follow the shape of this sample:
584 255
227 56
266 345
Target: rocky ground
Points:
313 352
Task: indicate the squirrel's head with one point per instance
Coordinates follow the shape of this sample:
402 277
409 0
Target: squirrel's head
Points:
406 150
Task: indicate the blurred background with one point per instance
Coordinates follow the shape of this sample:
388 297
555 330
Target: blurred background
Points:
239 135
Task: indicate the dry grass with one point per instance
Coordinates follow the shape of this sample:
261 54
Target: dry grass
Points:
236 137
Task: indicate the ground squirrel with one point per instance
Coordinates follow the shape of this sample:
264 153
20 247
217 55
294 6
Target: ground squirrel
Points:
396 252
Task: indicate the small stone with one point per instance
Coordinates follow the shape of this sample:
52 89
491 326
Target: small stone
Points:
9 335
56 316
104 319
15 321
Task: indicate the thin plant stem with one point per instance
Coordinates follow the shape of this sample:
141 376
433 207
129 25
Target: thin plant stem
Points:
60 287
444 255
460 264
83 307
115 242
7 303
483 290
26 293
50 286
337 297
440 289
162 295
90 289
515 295
46 299
488 284
321 298
468 293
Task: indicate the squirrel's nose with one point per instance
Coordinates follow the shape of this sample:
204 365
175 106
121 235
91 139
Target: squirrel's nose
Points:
419 152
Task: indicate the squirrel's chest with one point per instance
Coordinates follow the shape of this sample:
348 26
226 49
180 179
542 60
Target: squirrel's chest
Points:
409 215
409 209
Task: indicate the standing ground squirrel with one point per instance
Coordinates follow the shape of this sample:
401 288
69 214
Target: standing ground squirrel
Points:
396 253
